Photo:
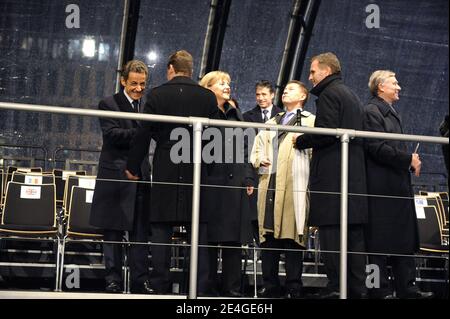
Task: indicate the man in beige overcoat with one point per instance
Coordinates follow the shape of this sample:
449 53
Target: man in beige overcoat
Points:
282 194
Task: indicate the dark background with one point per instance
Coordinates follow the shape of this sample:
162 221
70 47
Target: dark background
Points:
42 62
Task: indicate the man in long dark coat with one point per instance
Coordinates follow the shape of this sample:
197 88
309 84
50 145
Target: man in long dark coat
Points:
336 107
123 206
392 227
171 192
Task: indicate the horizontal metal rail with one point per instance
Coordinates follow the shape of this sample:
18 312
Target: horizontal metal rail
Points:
209 122
345 136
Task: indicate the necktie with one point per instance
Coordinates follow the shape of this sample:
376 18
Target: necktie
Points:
265 118
286 118
135 106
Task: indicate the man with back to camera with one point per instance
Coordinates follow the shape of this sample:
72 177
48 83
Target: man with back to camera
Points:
123 206
336 107
171 203
392 228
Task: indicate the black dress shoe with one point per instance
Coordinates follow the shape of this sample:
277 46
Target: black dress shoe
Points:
113 287
269 292
388 297
294 294
417 294
233 294
143 288
326 294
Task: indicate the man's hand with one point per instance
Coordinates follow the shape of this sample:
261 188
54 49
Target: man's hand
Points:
250 190
416 164
294 138
265 163
130 176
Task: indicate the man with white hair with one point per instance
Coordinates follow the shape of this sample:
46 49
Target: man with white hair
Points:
392 227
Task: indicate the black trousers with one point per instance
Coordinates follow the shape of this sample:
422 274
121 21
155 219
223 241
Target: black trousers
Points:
231 267
161 256
271 259
329 237
138 254
404 271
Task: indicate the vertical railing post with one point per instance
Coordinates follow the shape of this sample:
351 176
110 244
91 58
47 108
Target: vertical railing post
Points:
344 216
197 159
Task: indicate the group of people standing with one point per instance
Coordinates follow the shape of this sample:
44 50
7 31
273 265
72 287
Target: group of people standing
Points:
286 183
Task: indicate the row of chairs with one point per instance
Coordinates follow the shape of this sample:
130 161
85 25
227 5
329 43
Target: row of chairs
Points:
31 209
59 174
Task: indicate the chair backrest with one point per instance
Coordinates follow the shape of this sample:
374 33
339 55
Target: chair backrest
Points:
8 175
444 197
11 169
32 205
1 188
60 182
79 213
435 201
85 181
440 200
429 228
33 178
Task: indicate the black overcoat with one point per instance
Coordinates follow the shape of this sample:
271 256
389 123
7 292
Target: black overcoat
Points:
392 226
224 196
336 107
113 203
172 177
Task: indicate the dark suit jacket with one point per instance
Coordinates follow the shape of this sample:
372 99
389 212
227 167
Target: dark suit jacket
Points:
113 202
392 224
179 97
336 107
254 115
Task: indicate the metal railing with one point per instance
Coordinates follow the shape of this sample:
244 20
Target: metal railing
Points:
198 124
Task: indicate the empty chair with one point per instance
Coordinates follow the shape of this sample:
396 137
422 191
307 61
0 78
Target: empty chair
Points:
85 181
30 211
437 200
1 191
29 208
79 213
78 225
430 233
60 182
444 197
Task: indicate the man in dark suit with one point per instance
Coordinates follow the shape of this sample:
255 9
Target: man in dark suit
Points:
171 189
123 206
261 113
392 228
265 109
336 107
